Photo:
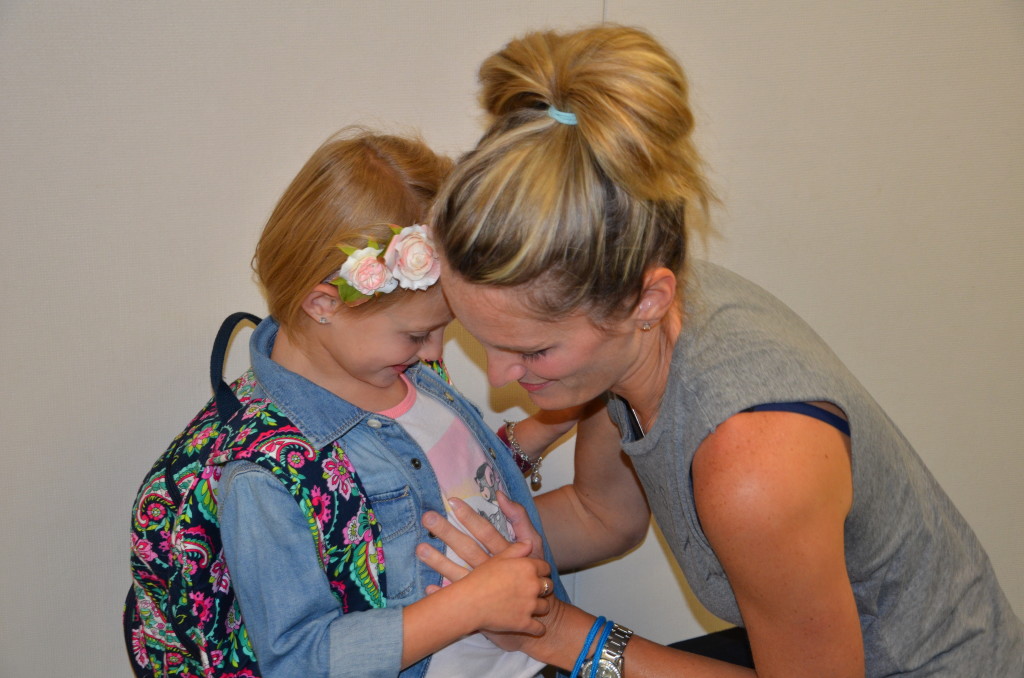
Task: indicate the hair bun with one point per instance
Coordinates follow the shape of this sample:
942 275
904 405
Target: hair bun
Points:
629 96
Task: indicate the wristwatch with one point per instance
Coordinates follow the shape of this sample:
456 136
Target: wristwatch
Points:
610 663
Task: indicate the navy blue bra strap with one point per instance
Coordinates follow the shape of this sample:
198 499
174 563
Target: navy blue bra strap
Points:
807 409
227 403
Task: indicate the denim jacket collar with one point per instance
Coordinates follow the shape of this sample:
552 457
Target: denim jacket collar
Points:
321 416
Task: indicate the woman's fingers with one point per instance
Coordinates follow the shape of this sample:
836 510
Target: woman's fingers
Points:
521 525
478 526
440 563
464 545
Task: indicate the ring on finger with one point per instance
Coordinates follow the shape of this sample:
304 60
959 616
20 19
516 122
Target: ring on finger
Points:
547 588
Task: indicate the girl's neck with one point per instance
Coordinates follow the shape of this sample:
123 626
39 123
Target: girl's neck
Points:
309 359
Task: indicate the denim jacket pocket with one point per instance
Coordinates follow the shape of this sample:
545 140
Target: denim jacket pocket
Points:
397 517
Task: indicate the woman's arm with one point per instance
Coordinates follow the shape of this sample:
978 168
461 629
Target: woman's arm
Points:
604 512
566 626
773 490
540 430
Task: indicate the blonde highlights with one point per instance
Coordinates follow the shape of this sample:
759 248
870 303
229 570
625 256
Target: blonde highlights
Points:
349 191
587 208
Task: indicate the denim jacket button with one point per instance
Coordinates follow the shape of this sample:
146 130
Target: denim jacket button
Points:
374 423
449 397
494 455
416 463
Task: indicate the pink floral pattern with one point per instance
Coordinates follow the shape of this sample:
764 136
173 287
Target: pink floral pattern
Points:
181 582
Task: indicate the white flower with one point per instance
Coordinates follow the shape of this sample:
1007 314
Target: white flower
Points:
412 259
367 273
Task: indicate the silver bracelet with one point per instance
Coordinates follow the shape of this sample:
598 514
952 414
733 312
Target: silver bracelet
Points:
528 465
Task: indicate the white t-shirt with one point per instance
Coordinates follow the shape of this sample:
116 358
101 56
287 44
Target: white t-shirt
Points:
464 471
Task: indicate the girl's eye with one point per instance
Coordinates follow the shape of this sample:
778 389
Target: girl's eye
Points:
419 338
535 355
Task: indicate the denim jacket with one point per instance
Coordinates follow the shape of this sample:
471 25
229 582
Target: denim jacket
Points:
400 486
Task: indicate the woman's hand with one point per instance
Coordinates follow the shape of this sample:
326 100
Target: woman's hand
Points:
482 530
510 580
488 561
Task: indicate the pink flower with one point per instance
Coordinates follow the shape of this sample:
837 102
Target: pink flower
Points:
337 471
322 504
412 259
233 622
202 606
367 273
220 575
139 648
355 533
156 511
143 548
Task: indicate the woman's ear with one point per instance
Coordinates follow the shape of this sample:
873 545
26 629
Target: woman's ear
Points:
657 297
321 303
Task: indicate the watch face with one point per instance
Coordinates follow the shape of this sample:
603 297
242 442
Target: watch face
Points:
605 669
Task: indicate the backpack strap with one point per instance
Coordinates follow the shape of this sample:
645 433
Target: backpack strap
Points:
227 403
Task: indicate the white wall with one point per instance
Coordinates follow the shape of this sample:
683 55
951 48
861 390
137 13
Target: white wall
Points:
869 156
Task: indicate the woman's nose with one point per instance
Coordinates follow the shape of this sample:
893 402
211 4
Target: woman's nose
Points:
503 367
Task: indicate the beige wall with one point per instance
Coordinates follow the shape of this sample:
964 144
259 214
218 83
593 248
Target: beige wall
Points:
869 155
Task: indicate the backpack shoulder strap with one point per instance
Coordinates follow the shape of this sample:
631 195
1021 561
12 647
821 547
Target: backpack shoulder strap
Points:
227 403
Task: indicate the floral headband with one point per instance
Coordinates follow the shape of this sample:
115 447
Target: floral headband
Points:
408 260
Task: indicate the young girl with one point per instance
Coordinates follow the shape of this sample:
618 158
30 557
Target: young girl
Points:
278 540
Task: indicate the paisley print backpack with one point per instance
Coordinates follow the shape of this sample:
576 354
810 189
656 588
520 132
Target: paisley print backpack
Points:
181 617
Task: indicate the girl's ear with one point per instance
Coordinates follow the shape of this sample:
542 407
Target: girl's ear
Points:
321 302
657 297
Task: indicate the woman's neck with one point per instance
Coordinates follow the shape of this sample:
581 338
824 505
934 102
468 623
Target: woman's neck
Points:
644 386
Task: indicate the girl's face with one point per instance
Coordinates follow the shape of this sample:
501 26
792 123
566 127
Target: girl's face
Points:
374 348
560 363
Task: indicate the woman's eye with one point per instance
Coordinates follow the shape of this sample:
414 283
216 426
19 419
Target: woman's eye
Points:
419 338
535 355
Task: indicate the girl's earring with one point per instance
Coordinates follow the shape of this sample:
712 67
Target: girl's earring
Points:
323 320
646 327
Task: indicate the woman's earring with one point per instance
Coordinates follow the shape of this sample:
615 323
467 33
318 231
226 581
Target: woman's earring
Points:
323 320
646 327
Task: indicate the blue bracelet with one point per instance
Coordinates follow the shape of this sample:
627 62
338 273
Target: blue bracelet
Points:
586 646
600 647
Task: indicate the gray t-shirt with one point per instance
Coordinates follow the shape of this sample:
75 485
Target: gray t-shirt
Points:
927 596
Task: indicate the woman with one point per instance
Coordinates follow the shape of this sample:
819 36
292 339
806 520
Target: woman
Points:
793 504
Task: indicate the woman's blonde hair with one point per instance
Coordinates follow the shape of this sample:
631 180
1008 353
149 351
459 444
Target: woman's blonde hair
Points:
348 192
584 209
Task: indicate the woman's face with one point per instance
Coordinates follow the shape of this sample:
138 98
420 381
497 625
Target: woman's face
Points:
559 363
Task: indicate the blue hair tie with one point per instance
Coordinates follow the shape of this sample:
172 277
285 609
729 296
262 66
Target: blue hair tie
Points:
563 117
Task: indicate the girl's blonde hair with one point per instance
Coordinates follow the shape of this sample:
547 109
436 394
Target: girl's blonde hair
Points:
581 209
347 193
